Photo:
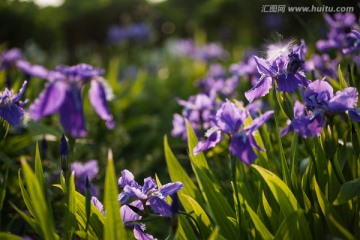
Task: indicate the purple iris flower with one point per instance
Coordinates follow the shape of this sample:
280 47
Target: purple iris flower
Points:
85 170
230 120
149 194
11 108
63 94
9 58
246 68
210 52
283 67
321 103
198 110
338 37
98 204
322 65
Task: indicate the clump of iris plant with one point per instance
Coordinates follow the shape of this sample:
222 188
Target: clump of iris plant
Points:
62 94
283 67
230 120
11 108
138 201
321 104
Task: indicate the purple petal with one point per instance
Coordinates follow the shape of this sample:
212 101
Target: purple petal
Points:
135 192
149 184
11 113
287 82
264 67
258 122
355 114
230 117
171 188
179 127
318 92
260 89
128 215
17 96
49 101
71 114
310 126
127 178
139 234
98 205
89 169
97 96
212 140
299 110
240 147
32 70
159 206
344 100
286 130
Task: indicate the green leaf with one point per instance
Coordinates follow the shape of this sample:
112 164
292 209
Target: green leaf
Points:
334 221
40 206
38 167
348 191
70 224
343 83
3 182
284 197
177 173
32 222
26 196
114 227
9 236
259 225
200 215
291 227
185 230
218 205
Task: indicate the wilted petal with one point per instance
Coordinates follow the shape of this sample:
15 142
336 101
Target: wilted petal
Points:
11 113
97 96
344 100
159 206
71 114
259 90
211 142
139 234
170 188
49 101
287 82
240 147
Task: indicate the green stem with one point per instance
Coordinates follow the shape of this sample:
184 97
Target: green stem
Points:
236 192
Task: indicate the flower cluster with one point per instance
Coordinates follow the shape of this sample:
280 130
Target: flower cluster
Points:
134 32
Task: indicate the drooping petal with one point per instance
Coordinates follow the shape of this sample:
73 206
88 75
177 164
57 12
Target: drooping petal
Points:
97 96
170 188
258 122
32 70
11 113
287 82
211 142
98 204
240 147
139 234
344 100
259 90
49 101
71 114
230 117
159 206
355 114
310 126
128 215
264 67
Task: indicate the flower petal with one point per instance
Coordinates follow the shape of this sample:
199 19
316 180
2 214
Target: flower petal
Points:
230 117
259 90
211 142
170 188
139 234
97 96
159 206
287 82
355 114
11 113
240 147
258 122
310 126
344 100
71 114
264 67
